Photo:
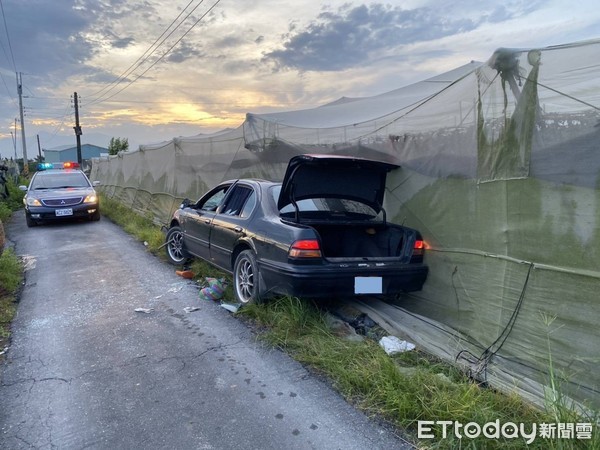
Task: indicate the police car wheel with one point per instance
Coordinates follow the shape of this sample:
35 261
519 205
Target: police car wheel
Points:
30 221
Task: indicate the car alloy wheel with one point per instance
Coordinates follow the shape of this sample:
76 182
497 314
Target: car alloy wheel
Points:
246 278
175 250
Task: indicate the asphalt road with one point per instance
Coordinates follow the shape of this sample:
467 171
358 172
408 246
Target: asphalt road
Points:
85 370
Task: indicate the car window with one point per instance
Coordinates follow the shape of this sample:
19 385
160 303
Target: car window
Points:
338 205
55 180
236 201
213 202
249 206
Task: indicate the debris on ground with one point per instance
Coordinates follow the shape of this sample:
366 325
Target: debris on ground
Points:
144 310
185 274
392 345
361 322
342 328
189 309
176 287
231 307
214 289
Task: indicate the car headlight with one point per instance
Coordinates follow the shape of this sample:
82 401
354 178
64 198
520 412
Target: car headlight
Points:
33 202
92 198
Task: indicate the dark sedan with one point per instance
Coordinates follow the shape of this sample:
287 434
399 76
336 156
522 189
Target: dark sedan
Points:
322 232
60 193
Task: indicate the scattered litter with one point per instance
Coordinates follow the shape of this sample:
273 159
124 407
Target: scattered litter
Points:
391 345
176 287
185 274
28 262
231 307
146 243
214 289
4 351
189 309
158 296
144 310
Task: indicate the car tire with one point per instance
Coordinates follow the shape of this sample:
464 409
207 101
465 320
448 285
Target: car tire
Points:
175 251
95 217
30 222
246 278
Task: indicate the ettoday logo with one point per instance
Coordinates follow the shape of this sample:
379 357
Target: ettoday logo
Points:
430 429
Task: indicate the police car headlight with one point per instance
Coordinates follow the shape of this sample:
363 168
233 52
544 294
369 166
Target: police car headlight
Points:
92 198
33 202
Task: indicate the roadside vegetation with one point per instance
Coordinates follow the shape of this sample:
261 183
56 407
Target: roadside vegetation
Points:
399 390
11 269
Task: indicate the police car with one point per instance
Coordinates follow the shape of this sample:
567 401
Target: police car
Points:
60 191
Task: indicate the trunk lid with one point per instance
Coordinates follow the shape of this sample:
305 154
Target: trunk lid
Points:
332 176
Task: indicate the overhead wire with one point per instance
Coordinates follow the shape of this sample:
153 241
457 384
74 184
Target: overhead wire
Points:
135 65
12 57
147 54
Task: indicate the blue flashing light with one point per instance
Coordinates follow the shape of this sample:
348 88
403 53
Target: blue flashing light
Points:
44 166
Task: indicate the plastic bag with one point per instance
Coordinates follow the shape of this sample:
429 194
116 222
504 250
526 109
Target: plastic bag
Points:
214 290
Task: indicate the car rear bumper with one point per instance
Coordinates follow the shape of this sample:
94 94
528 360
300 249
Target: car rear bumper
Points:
329 279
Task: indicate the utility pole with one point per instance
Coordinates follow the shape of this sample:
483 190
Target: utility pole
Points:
77 127
20 92
14 136
14 145
39 148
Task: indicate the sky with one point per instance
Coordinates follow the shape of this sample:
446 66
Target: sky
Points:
152 70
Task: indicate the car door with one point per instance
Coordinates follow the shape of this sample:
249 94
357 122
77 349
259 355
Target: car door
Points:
198 222
230 224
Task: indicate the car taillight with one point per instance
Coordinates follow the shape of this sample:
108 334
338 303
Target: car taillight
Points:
306 248
418 250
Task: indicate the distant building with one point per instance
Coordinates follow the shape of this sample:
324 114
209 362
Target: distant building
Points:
69 153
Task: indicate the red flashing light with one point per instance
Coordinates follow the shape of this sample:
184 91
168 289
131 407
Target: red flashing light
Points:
70 165
419 245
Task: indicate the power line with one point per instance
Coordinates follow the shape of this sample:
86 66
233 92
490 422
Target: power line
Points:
166 53
8 37
5 54
148 53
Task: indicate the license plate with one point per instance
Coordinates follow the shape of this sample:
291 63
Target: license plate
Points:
368 285
64 212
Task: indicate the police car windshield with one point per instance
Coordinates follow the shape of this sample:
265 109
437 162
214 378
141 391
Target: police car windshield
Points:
57 180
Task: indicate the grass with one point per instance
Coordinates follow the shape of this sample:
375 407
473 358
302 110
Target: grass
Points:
11 270
11 276
401 389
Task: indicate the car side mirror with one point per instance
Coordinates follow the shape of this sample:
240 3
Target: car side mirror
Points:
185 203
96 183
23 188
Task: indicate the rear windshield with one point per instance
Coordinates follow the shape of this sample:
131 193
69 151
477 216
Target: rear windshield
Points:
331 205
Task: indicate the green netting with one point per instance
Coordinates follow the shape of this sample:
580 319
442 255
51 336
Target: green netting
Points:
500 170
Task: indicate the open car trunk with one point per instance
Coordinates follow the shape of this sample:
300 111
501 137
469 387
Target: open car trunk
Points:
368 242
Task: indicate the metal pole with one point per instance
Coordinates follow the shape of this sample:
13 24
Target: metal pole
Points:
77 128
20 91
39 148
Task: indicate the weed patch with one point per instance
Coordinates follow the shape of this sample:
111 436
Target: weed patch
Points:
11 276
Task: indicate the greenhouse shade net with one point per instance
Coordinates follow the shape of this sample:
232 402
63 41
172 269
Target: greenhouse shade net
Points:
500 171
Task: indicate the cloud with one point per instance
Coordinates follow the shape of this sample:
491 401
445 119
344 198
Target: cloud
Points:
182 53
47 35
122 42
354 35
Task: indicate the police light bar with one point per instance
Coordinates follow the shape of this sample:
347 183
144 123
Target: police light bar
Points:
44 166
70 165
